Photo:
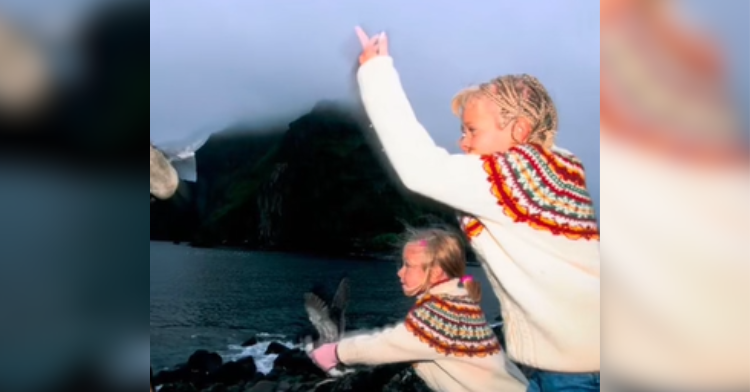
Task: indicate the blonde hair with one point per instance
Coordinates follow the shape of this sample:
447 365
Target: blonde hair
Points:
516 96
445 249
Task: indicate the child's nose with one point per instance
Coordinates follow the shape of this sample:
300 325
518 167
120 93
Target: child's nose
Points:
463 143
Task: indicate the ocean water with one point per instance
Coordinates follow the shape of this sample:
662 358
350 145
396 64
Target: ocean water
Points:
216 299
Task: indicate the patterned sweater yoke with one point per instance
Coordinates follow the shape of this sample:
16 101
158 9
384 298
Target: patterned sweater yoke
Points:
452 325
545 189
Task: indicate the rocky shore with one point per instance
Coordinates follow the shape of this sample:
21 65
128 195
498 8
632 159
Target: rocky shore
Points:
293 371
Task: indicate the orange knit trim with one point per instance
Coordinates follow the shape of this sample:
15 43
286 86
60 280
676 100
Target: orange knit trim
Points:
473 228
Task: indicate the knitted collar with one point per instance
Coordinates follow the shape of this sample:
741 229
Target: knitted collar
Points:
443 286
451 324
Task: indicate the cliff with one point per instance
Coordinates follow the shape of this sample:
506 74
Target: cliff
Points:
322 186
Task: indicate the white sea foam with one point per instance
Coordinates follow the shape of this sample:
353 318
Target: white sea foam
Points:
264 362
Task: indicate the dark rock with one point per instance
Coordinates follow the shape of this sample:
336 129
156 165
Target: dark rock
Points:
284 386
204 362
365 380
276 348
296 362
406 381
179 387
390 378
273 375
197 373
236 371
293 371
293 381
258 377
237 388
171 376
263 386
250 342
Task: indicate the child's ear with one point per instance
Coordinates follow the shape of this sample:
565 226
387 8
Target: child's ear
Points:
436 274
521 130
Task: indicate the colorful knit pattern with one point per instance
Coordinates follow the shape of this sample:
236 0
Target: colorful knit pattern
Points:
544 189
452 326
471 226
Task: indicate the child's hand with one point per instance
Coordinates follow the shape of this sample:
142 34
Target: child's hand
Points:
325 356
371 47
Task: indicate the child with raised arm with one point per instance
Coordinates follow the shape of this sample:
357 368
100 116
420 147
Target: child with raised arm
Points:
445 334
524 205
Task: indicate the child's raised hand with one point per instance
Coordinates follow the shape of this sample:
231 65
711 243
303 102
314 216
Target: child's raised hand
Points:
376 45
325 356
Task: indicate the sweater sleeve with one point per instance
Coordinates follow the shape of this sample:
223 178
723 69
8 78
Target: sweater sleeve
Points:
434 328
457 180
389 345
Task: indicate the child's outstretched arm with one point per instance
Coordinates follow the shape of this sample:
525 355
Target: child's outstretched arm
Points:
426 334
390 345
424 168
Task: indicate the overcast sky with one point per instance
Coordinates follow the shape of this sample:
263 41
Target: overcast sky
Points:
214 61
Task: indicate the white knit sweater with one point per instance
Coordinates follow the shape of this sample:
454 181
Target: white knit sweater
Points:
447 338
529 218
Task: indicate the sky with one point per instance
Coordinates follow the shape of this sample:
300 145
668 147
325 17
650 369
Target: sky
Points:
215 61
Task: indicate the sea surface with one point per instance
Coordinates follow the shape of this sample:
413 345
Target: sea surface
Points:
216 299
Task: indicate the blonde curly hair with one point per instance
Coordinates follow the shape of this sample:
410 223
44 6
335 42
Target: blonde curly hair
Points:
516 96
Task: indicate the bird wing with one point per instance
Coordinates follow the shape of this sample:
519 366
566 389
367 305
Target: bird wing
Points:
340 301
319 315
